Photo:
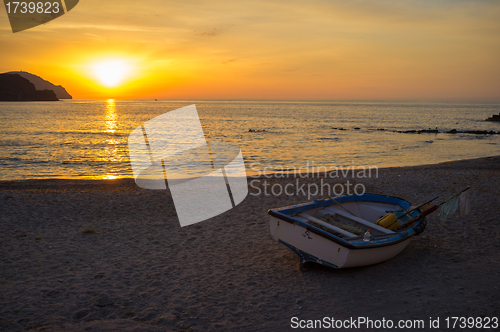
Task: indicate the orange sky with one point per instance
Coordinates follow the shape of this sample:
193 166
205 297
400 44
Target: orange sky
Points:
231 49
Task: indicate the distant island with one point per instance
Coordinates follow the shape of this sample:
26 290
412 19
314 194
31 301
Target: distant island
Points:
41 84
14 87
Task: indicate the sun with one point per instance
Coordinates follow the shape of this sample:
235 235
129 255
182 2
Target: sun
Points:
111 72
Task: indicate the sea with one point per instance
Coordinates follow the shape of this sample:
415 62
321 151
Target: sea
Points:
88 139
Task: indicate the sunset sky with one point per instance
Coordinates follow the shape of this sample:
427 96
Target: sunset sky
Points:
231 49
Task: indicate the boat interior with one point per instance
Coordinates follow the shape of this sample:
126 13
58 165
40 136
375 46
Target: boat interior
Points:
351 220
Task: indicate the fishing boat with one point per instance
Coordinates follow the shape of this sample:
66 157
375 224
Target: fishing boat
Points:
348 231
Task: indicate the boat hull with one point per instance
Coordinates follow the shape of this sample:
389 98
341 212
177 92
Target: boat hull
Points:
314 245
318 249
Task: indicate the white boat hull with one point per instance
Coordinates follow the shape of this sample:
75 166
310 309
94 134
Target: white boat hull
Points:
327 251
313 240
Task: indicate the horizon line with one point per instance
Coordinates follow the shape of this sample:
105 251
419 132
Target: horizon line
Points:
306 100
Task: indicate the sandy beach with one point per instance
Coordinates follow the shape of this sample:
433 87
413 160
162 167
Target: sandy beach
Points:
142 272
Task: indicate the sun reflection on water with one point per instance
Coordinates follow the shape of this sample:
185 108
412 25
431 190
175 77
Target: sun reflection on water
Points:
110 153
110 116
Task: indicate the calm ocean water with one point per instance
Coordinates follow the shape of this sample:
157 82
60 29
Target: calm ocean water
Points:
88 138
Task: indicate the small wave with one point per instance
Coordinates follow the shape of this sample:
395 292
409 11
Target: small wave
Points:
39 161
411 147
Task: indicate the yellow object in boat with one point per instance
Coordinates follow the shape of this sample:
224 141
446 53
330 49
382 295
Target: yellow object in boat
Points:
389 221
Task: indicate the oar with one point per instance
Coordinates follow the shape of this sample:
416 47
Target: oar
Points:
430 210
461 191
418 207
421 216
390 220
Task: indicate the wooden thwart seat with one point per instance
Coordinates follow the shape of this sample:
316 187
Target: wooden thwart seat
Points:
327 225
359 220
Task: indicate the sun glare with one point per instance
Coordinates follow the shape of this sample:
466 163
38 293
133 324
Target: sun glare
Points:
111 73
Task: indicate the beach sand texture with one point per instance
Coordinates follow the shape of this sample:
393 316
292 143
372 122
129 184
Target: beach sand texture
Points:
143 272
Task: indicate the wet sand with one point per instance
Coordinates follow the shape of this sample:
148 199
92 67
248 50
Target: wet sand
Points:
142 272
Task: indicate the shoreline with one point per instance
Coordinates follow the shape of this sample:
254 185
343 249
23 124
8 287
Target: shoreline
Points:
141 271
128 183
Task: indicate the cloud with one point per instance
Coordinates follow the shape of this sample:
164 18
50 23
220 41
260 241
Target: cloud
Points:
228 61
209 33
